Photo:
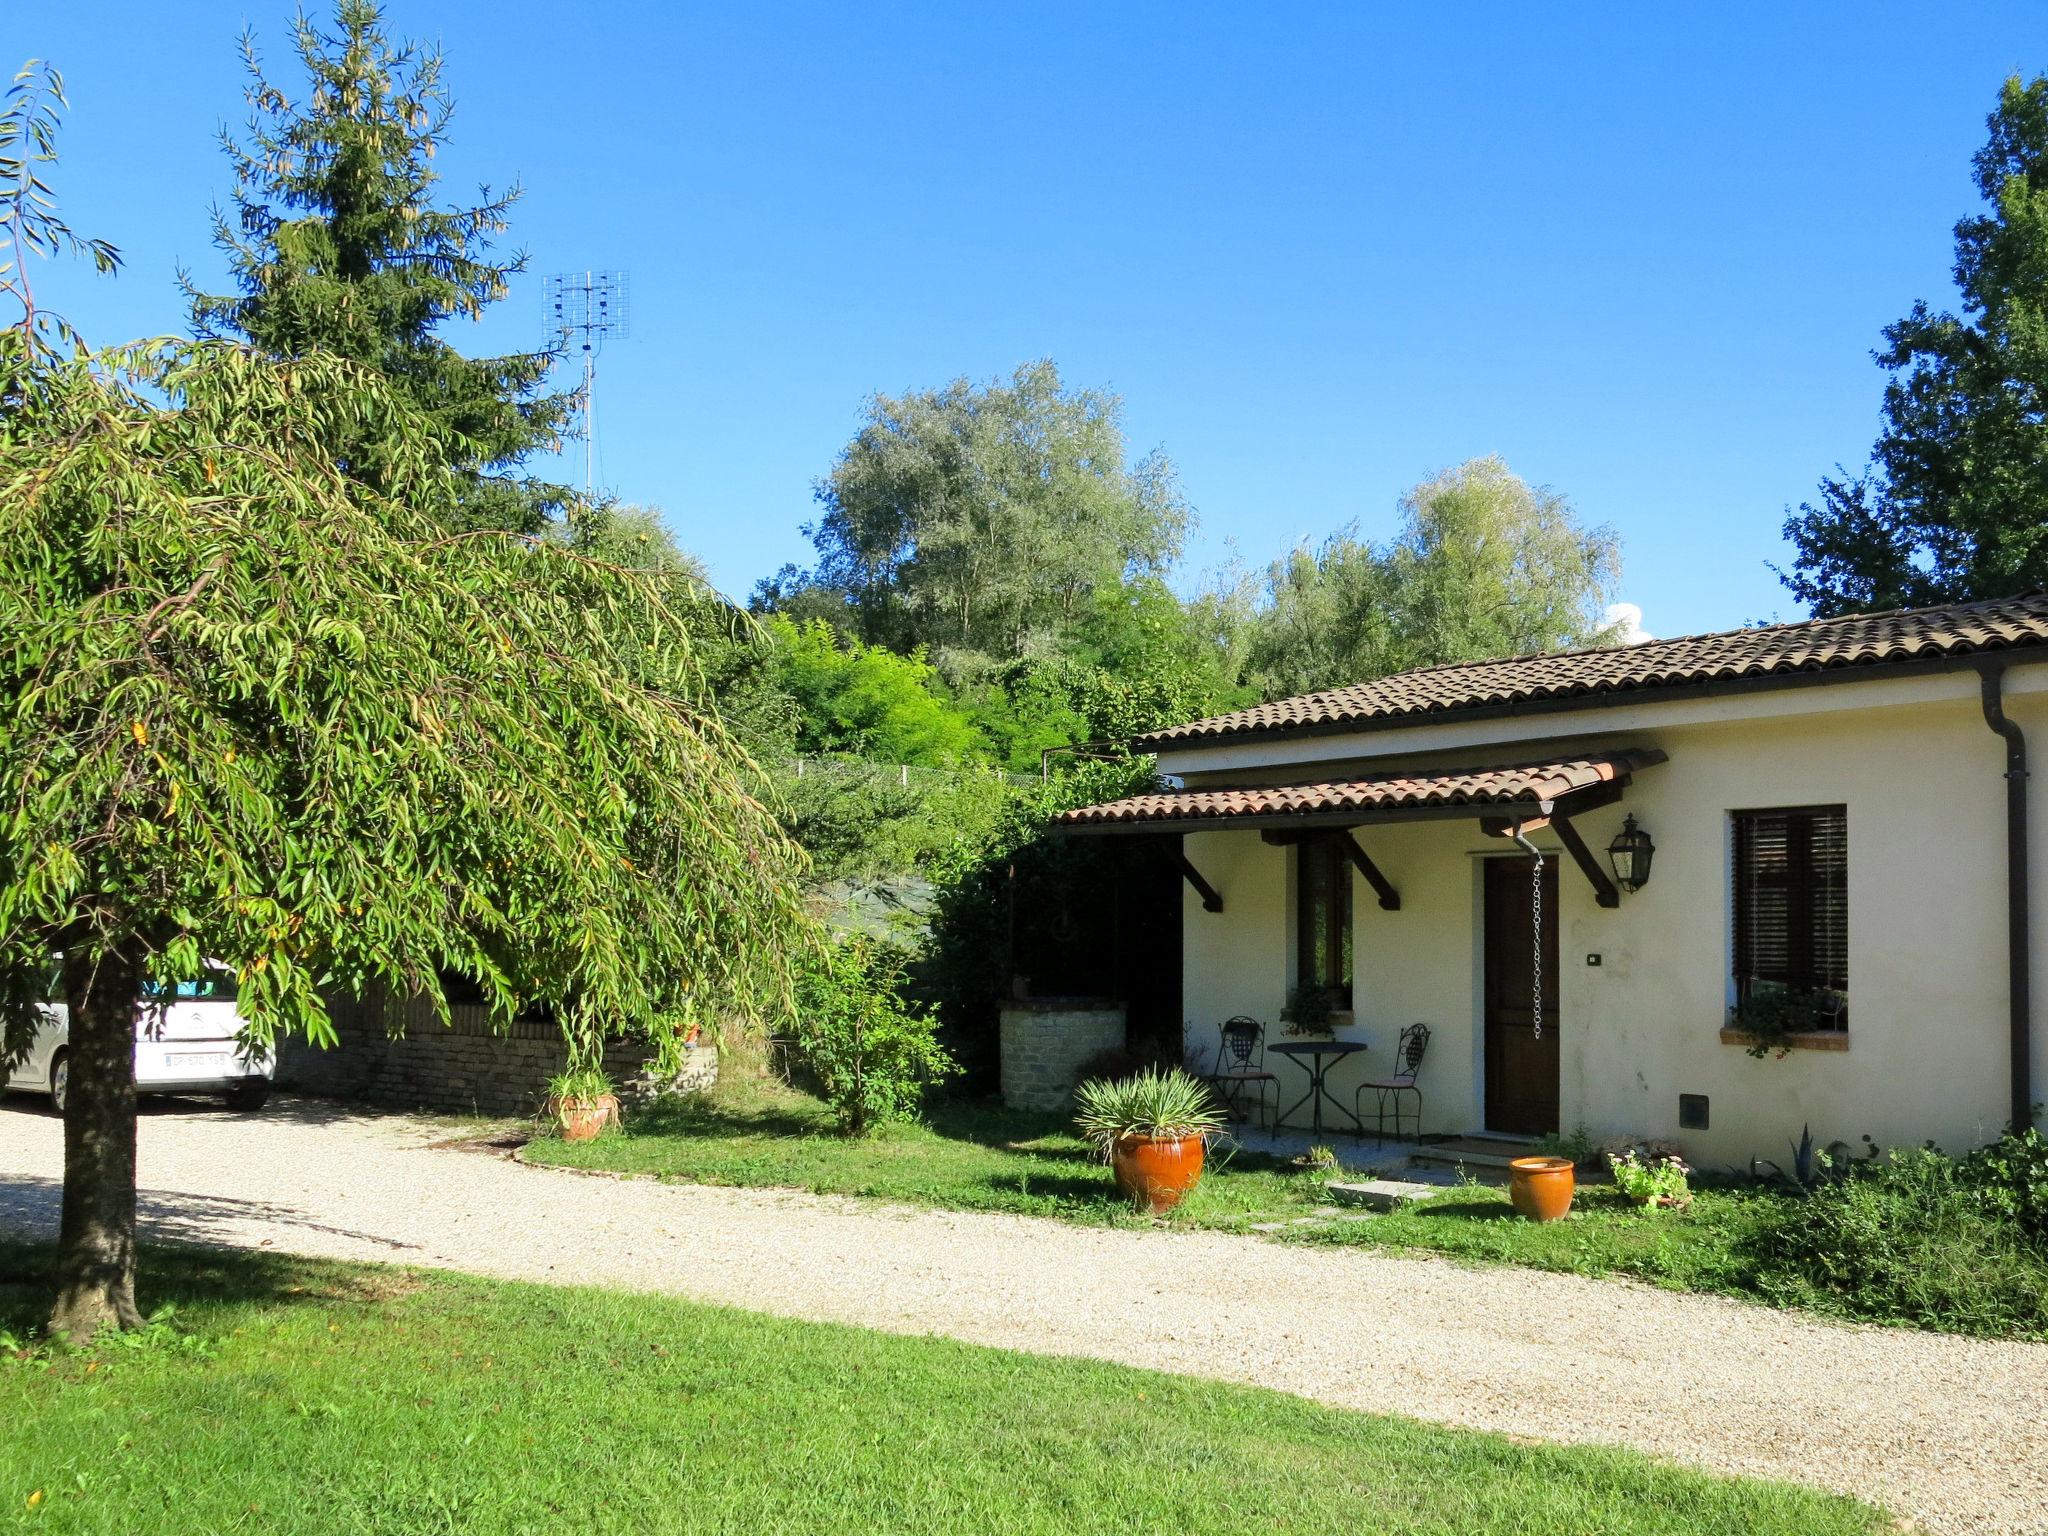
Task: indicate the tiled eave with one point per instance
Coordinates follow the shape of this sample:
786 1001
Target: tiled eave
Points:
1531 789
1849 648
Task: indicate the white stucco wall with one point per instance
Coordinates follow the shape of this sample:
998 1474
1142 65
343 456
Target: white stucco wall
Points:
1927 1058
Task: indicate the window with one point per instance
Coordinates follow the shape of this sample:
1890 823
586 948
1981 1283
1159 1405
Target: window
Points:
1792 906
1322 916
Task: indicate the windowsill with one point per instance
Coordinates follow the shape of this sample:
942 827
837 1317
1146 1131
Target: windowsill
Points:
1798 1040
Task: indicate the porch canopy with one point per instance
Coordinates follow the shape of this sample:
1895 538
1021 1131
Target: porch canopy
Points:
1519 796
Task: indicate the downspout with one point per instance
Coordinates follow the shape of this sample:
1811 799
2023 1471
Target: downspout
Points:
2018 927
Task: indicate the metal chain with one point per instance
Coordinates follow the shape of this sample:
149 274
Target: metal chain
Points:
1536 939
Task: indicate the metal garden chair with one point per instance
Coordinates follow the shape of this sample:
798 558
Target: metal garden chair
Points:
1390 1092
1241 1067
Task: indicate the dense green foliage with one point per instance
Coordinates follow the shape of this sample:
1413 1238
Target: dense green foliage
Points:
871 1055
2010 1178
1955 503
337 245
877 825
1484 565
865 701
1908 1238
495 1408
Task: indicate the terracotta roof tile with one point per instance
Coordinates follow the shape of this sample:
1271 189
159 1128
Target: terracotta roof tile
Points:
1816 646
1525 782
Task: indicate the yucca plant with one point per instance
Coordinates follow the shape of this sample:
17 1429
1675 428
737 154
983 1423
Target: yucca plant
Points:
1153 1103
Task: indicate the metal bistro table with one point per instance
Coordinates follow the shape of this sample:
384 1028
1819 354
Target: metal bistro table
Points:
1316 1057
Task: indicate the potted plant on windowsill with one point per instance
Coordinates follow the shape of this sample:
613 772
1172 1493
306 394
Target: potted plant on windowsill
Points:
1153 1130
582 1101
1310 1010
1773 1017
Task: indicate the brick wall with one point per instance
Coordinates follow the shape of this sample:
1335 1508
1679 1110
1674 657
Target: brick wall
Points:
1044 1042
468 1066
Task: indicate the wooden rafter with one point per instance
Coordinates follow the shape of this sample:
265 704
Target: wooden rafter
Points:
1212 899
1390 899
1604 890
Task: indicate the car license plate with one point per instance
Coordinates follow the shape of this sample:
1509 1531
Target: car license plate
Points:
201 1061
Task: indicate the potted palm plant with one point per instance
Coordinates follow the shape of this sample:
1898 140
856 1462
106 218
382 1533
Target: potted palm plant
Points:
1153 1130
582 1102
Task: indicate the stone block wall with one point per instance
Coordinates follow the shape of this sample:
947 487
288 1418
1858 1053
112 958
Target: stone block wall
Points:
1044 1041
467 1067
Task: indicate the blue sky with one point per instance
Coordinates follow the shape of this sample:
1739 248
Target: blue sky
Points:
1643 253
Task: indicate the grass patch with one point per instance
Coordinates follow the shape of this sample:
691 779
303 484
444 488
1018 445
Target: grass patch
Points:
965 1156
350 1399
1707 1248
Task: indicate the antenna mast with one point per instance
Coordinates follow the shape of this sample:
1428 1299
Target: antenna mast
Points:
589 308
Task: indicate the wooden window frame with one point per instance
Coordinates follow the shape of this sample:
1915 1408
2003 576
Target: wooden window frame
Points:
1323 865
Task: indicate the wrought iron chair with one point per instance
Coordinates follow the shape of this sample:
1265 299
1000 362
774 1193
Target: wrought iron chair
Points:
1241 1068
1388 1091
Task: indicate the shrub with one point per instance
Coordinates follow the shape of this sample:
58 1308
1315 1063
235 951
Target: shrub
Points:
1654 1181
872 1056
2010 1178
1578 1145
1904 1238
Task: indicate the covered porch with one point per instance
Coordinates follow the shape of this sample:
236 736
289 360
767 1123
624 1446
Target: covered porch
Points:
1444 896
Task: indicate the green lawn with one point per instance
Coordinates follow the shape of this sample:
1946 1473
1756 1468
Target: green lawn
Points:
346 1399
969 1156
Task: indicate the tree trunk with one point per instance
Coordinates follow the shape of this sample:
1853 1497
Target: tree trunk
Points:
96 1243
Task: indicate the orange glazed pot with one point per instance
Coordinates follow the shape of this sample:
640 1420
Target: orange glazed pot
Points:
1541 1187
1156 1172
581 1119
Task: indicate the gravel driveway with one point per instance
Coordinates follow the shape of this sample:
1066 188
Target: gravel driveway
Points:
1952 1432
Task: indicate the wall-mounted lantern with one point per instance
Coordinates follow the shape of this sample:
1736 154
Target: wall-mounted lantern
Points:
1630 854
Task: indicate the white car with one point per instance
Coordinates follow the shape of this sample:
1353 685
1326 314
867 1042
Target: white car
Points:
185 1042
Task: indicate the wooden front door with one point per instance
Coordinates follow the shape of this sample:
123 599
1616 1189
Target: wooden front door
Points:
1521 1068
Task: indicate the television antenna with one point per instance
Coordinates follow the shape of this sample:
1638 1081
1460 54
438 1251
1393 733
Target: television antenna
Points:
588 309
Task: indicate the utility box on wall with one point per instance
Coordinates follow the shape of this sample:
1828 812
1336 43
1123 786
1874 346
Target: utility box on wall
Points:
1045 1041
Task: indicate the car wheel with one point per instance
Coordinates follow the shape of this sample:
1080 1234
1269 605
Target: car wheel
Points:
249 1097
60 1082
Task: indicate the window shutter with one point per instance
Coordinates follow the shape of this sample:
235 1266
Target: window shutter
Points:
1792 898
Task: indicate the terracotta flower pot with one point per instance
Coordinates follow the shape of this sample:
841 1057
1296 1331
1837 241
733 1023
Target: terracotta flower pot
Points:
1541 1187
1156 1172
581 1119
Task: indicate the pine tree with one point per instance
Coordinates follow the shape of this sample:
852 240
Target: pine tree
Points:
337 244
1955 503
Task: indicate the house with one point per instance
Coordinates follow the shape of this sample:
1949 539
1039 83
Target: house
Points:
1836 818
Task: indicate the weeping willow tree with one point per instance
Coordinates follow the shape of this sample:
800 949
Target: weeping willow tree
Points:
261 713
